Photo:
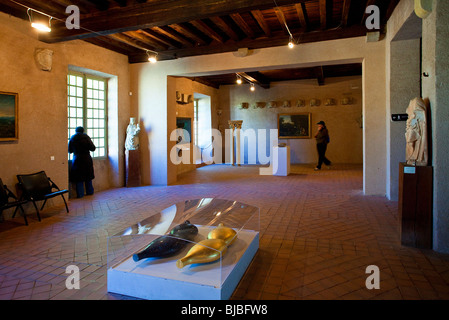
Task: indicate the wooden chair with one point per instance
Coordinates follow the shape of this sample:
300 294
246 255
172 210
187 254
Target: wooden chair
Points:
5 195
37 186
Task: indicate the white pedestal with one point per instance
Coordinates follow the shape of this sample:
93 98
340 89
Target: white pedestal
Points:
160 279
281 163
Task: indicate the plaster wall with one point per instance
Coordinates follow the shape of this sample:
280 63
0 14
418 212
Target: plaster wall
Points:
344 122
43 105
436 91
403 76
149 85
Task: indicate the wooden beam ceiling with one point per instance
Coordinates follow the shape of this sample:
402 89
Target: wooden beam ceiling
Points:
182 28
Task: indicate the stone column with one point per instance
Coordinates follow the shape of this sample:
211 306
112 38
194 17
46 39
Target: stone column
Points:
235 126
238 128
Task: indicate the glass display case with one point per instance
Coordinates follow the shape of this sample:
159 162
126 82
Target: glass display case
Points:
193 250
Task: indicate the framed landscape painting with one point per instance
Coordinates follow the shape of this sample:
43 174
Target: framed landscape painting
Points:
9 116
294 126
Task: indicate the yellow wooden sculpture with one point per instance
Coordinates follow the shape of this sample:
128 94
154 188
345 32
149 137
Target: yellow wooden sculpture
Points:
224 233
211 249
204 251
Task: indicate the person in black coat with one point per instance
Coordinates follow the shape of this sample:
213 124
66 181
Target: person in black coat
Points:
82 170
322 139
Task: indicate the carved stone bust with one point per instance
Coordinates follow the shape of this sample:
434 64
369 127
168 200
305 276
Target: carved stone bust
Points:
416 133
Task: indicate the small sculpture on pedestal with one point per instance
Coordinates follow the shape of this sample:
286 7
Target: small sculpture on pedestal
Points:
416 133
132 139
132 154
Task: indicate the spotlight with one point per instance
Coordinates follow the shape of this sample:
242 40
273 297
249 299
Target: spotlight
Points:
239 79
39 25
152 57
291 43
253 87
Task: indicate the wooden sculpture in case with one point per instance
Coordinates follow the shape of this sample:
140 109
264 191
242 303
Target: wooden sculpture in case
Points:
211 249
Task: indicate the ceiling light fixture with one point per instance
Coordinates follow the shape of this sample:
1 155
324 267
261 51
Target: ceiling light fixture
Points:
39 25
239 79
291 41
152 56
253 87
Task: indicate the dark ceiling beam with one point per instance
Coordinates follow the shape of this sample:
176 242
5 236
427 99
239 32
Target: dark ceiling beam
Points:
302 14
220 23
241 23
319 73
392 5
323 14
345 13
155 13
365 15
256 78
101 5
121 3
203 27
279 39
205 82
83 7
53 9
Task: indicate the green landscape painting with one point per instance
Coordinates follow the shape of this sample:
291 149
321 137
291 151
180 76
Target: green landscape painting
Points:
8 116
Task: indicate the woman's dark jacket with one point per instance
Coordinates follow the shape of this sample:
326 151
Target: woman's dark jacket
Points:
82 169
322 136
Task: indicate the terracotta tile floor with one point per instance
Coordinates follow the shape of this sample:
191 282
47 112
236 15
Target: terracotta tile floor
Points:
318 235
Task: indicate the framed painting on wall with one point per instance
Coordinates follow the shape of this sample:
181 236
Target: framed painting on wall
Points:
9 103
294 125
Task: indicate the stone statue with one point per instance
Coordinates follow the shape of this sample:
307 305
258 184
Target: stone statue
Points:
416 133
132 139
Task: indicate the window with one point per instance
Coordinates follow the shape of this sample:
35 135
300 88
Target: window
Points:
87 107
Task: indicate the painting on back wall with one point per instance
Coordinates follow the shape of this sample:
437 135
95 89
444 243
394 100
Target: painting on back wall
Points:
294 126
9 103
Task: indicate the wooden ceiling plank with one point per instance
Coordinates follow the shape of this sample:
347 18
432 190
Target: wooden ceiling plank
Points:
55 10
203 27
169 42
241 23
220 23
257 14
278 39
101 5
302 14
323 14
345 13
83 8
156 13
185 31
171 34
147 40
281 17
129 41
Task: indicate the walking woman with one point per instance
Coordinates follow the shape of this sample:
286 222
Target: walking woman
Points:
322 139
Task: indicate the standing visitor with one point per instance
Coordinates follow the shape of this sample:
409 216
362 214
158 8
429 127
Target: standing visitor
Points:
82 170
322 139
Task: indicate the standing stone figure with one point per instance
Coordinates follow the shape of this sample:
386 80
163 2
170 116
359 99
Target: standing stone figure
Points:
416 133
132 139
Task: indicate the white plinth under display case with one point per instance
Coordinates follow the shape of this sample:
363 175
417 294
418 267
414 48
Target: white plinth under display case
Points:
160 278
281 161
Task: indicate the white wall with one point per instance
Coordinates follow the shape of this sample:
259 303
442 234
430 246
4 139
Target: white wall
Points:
343 121
149 84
